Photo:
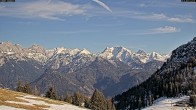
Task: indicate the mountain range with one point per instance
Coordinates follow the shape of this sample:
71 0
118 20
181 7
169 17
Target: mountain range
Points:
69 70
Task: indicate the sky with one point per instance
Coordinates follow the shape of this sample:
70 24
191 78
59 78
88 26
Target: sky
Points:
149 25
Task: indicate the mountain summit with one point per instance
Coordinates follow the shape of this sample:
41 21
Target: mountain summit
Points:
127 56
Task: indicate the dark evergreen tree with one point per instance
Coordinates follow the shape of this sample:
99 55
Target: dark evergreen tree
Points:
110 105
87 102
98 101
26 88
139 103
193 100
51 93
68 98
35 91
150 100
77 99
19 87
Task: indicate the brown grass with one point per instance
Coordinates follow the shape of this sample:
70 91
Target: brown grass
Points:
7 95
29 107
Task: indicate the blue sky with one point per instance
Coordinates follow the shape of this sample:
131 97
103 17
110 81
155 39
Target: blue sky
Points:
150 25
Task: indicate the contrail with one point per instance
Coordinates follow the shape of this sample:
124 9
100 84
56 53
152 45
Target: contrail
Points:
103 5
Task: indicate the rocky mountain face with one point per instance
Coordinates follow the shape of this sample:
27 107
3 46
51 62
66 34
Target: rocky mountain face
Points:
113 71
177 76
17 63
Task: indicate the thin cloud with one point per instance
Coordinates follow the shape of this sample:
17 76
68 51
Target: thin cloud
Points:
142 5
43 9
74 32
182 20
159 30
164 29
163 17
151 16
154 16
103 5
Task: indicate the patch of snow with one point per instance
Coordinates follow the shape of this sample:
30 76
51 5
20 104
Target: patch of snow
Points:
36 67
2 62
30 54
136 68
168 104
22 103
10 53
2 107
31 102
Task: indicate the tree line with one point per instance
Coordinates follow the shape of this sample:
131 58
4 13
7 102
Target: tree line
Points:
96 102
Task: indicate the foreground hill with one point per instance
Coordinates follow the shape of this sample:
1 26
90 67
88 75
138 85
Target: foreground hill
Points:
11 100
177 76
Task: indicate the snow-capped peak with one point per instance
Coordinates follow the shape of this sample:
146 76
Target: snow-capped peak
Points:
60 50
115 53
74 51
128 56
141 52
84 51
156 56
37 49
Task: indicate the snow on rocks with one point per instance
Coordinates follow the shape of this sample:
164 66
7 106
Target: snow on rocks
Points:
168 104
126 55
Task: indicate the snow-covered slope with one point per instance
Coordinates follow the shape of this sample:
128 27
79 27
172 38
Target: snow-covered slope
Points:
156 56
68 60
169 104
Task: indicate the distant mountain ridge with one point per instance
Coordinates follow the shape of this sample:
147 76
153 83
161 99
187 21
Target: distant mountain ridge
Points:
120 53
78 69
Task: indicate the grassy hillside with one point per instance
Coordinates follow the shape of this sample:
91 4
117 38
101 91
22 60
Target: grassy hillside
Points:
16 101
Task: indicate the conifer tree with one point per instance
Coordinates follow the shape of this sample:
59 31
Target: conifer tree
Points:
26 88
19 87
110 105
51 93
35 91
77 99
193 100
87 102
98 101
150 100
68 98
